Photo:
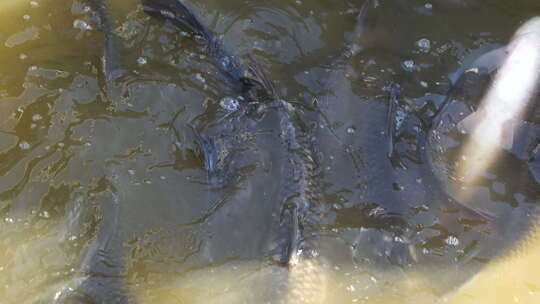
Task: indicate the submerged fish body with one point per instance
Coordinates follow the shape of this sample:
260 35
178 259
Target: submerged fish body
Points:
394 188
101 276
237 135
293 200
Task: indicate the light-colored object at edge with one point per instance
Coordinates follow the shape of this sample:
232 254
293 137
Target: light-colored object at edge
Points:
513 278
494 123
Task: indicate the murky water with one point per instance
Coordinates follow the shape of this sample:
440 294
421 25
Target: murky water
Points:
104 194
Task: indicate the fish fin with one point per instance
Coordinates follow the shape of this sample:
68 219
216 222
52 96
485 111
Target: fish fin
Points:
176 12
260 81
207 149
534 166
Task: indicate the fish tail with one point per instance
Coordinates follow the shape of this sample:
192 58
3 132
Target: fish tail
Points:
260 81
177 13
232 69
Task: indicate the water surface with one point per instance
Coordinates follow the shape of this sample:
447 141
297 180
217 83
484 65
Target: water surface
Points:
103 187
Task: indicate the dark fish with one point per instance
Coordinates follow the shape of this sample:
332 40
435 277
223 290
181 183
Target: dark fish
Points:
244 80
249 106
360 133
298 194
101 277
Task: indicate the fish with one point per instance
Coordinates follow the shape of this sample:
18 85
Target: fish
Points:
231 70
353 158
302 207
367 135
250 90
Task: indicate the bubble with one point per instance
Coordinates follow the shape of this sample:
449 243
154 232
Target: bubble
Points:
226 62
200 77
26 17
398 187
408 65
229 104
24 145
350 130
424 45
141 60
452 241
82 25
37 117
428 6
34 4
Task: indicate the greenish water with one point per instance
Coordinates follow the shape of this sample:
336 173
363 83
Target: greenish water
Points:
103 189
